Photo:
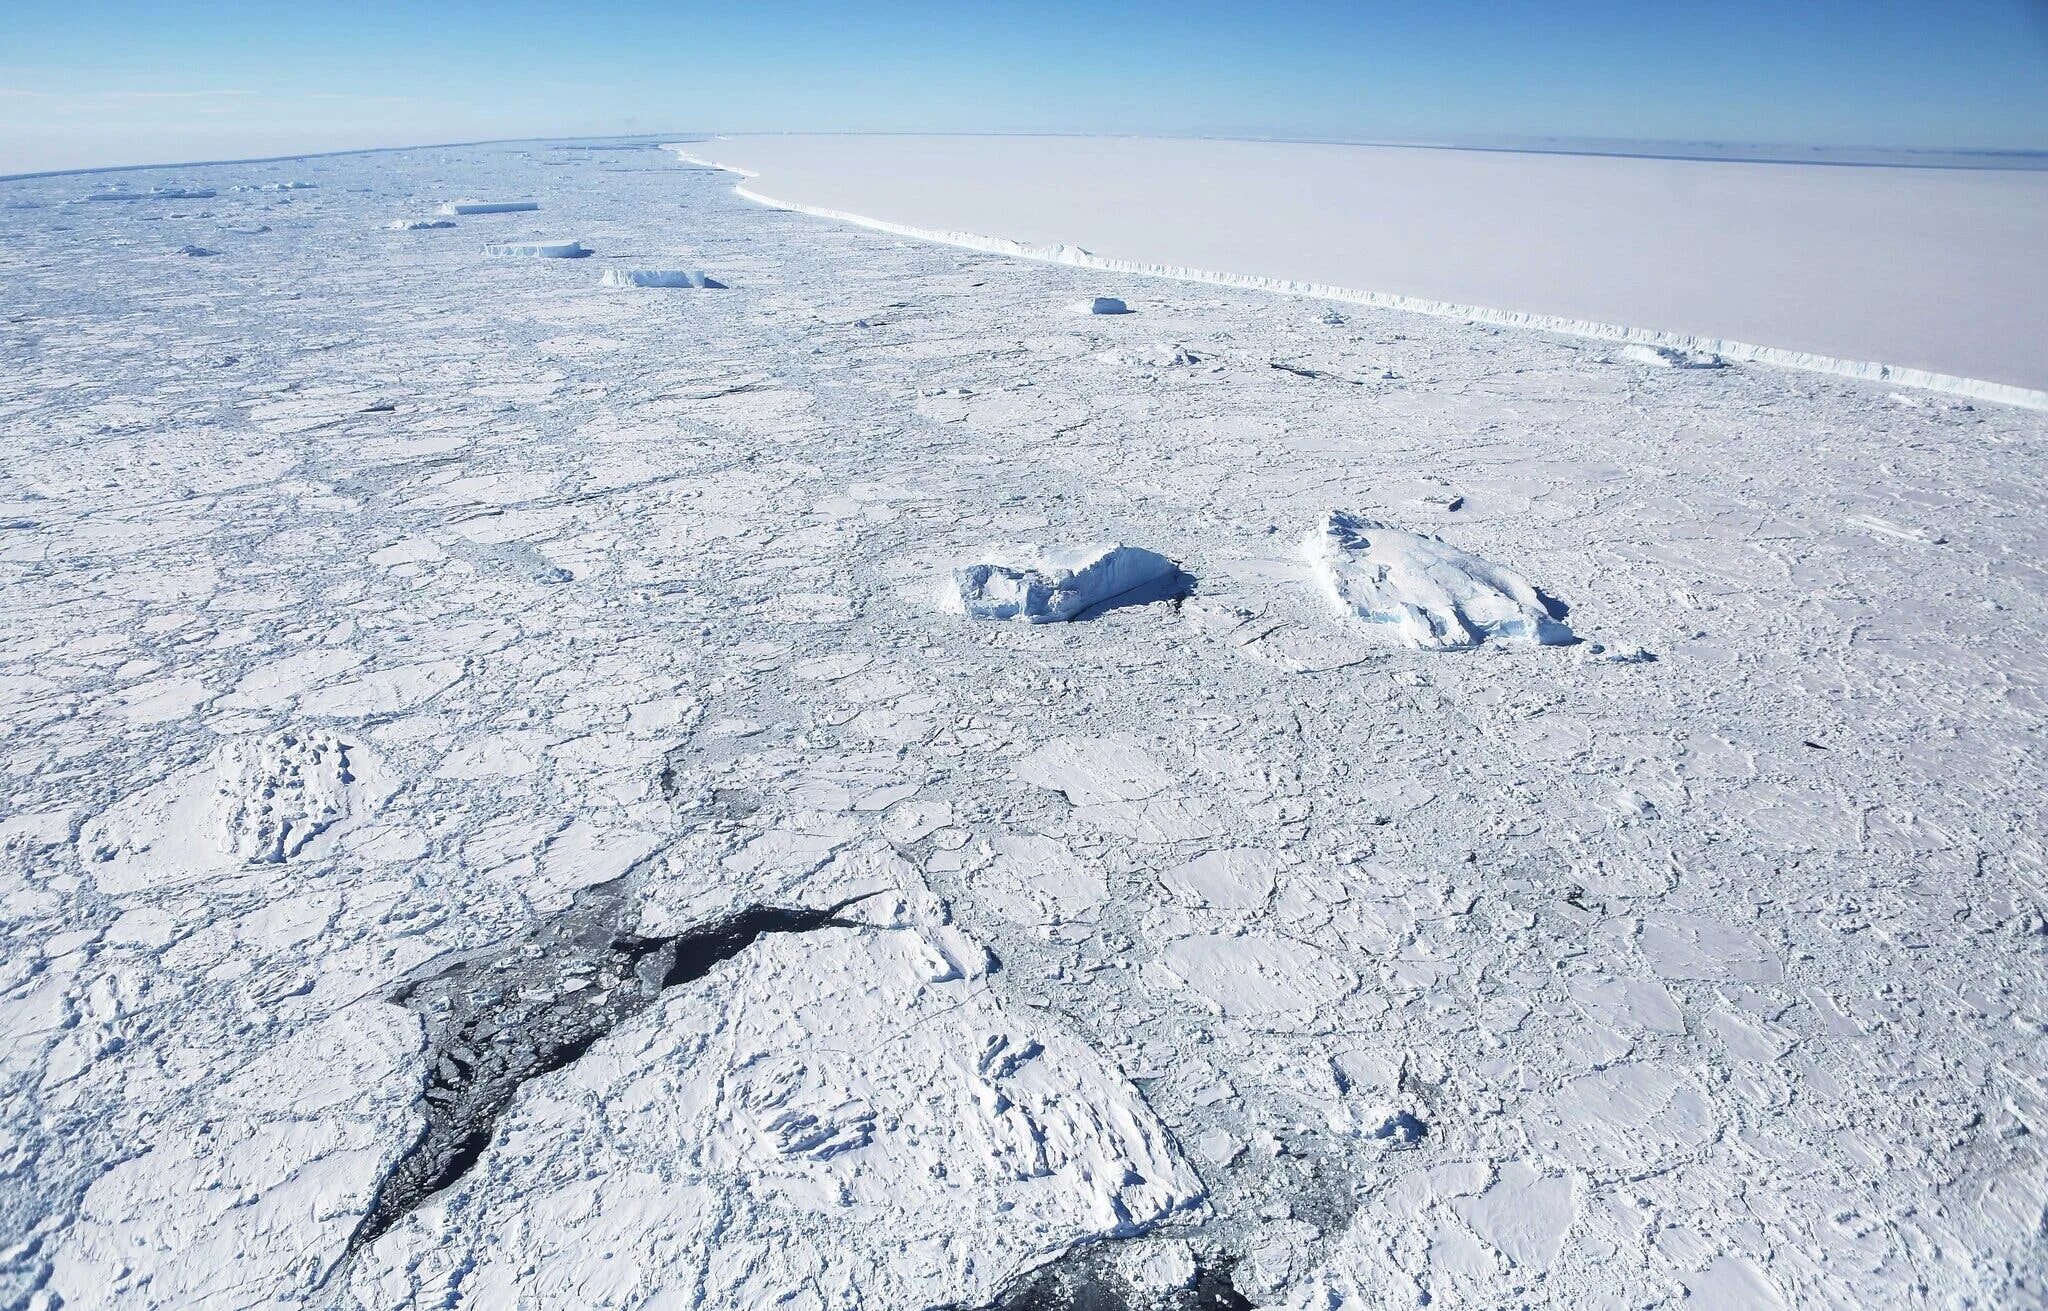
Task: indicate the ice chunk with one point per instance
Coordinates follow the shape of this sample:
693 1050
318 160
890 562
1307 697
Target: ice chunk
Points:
538 250
1039 586
1431 595
659 278
198 252
419 225
1103 305
1669 357
455 207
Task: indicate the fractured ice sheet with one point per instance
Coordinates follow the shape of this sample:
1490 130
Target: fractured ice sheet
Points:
1423 592
1036 585
826 1113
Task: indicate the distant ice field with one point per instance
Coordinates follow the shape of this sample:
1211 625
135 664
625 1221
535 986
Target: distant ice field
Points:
1937 271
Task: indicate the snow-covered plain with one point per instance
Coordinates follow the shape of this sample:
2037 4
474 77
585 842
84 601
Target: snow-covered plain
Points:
1936 275
495 815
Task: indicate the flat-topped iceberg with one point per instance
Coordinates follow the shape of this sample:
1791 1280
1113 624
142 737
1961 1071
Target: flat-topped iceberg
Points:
1034 585
1424 592
457 207
1102 305
157 193
538 250
660 278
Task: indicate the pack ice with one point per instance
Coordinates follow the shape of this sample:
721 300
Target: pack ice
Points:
660 278
1039 586
537 250
1425 592
455 208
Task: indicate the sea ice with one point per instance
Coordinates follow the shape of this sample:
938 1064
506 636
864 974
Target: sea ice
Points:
456 207
1041 586
659 278
538 250
156 193
277 793
1430 594
418 225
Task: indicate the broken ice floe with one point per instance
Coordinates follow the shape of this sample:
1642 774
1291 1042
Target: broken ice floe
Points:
660 278
455 207
419 225
1670 357
1425 592
1102 305
538 250
1164 355
1039 586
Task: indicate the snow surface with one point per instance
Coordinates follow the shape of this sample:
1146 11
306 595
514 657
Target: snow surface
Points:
370 607
1932 277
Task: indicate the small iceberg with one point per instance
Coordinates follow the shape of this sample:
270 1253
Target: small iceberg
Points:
1037 586
538 250
198 252
454 208
1102 305
418 225
1424 592
660 278
1669 357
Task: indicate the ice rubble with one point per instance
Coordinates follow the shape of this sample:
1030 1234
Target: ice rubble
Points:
1041 586
277 793
538 250
660 278
418 225
1431 595
1102 305
457 207
1671 357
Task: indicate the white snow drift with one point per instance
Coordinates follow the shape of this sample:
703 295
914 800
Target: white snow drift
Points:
1425 592
1040 586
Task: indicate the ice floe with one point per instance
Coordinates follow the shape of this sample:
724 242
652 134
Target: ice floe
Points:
1036 585
660 278
1425 592
454 208
537 250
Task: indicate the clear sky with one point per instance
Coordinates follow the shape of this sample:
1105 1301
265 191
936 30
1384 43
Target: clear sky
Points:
89 82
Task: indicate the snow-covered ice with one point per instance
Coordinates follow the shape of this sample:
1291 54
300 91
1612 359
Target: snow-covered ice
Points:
419 225
1037 585
495 809
660 278
1425 592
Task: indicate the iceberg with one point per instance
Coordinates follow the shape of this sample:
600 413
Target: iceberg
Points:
1038 586
1425 592
659 278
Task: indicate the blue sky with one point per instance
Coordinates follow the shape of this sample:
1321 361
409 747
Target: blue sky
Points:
85 83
